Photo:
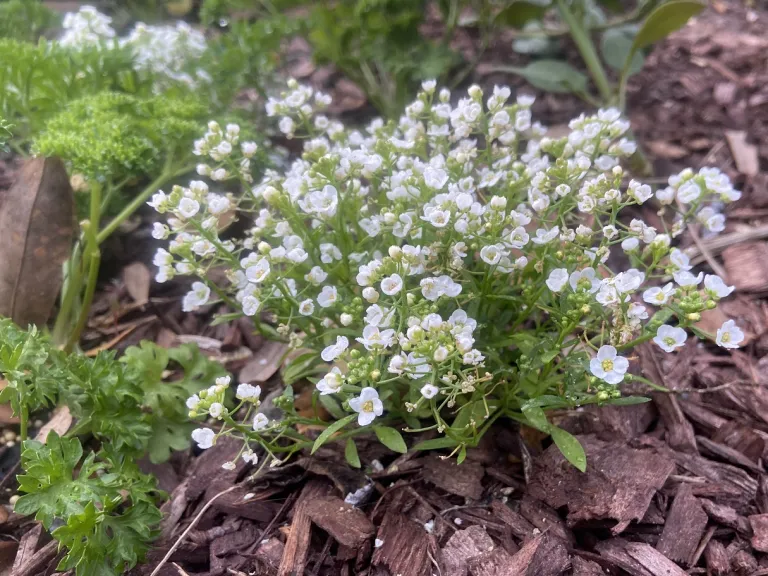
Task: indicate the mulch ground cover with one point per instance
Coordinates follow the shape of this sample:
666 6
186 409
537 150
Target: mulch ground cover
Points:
673 487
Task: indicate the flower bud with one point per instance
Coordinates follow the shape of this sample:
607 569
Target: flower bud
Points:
375 375
370 294
498 203
263 247
270 194
346 319
395 252
693 316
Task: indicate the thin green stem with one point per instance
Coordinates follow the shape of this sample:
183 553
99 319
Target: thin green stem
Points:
128 211
587 50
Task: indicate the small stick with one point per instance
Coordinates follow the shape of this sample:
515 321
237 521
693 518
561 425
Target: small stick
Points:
178 542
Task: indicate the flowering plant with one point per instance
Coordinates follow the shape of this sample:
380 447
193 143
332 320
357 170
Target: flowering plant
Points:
441 271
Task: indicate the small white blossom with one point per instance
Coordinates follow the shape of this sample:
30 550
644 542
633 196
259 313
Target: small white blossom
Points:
715 285
608 365
669 338
260 421
330 353
729 335
204 437
367 405
557 279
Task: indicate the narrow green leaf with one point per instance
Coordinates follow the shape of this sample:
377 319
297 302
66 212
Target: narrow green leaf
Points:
462 455
391 438
664 20
570 446
333 407
436 443
351 455
536 417
628 401
331 430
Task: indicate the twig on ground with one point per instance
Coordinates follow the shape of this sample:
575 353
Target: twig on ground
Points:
192 524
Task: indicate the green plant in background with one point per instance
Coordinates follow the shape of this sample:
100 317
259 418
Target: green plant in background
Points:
101 508
114 141
603 44
26 19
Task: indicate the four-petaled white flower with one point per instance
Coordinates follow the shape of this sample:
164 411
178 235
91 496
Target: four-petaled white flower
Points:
557 279
608 365
367 405
188 207
330 353
585 277
196 297
429 391
715 285
391 285
328 296
670 337
204 437
684 278
331 382
729 335
306 307
260 421
659 296
248 392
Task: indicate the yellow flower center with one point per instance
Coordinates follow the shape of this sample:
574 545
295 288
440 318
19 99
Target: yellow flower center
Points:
607 365
726 337
669 341
368 406
660 296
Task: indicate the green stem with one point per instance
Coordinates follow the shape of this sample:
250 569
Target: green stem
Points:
94 256
128 211
587 50
71 290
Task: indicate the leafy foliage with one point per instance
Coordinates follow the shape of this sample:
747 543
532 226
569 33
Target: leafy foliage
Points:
25 19
106 503
113 136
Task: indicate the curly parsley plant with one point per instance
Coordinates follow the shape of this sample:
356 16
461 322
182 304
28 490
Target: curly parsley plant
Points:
441 271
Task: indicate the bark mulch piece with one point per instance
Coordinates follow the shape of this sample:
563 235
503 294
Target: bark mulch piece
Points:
684 527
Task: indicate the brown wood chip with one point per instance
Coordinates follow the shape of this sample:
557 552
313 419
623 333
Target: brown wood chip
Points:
294 559
726 516
583 567
519 526
615 552
404 544
685 525
348 525
494 563
619 482
463 546
747 266
716 559
759 524
463 479
653 560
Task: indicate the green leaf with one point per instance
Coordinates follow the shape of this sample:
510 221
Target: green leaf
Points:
664 20
551 75
436 443
331 430
350 453
615 47
391 438
333 407
570 446
628 401
518 14
462 455
536 417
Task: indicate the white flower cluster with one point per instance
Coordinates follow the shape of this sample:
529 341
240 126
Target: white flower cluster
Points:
164 51
454 259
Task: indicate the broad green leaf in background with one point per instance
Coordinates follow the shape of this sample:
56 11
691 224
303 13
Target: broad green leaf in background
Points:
570 447
391 438
615 46
551 75
520 13
436 443
331 430
351 455
660 23
333 407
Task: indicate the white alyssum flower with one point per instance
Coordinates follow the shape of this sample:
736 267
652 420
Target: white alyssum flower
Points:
328 296
557 279
429 391
331 382
330 353
608 365
729 335
196 297
367 405
248 392
658 296
391 285
260 422
716 286
204 437
670 338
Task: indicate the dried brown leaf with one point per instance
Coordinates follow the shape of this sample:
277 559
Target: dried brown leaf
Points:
36 220
137 279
